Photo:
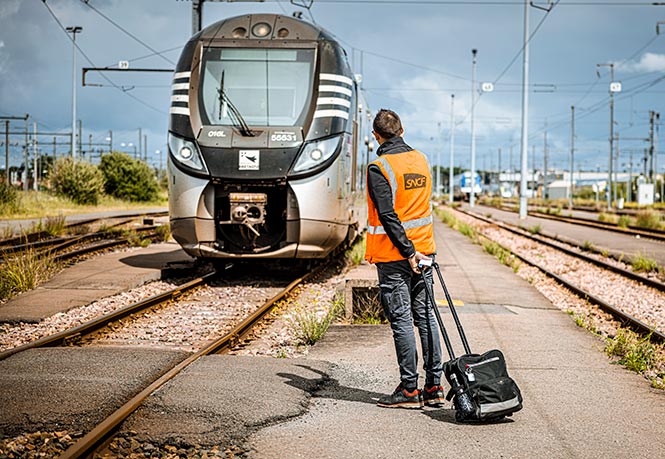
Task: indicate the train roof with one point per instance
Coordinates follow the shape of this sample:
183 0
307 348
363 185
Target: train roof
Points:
264 27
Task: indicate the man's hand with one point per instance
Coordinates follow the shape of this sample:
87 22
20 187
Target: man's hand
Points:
415 259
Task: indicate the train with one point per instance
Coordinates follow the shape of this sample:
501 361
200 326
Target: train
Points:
462 185
268 142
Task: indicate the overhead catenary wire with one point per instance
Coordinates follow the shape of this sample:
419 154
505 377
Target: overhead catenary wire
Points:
128 33
78 48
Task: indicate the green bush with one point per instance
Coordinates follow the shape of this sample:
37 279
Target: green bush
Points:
8 198
128 178
79 181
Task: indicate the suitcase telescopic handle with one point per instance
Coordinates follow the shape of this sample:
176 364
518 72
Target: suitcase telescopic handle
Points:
429 292
460 330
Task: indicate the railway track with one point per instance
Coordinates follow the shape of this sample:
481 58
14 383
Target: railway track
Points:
658 235
618 313
95 330
41 239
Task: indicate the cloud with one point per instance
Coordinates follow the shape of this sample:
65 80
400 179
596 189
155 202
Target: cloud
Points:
650 62
9 8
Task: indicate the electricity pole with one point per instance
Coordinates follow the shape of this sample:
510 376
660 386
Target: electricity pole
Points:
472 200
545 193
74 30
572 153
452 149
613 88
438 162
525 113
7 151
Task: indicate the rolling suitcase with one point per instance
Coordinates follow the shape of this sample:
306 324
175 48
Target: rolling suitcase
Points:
481 389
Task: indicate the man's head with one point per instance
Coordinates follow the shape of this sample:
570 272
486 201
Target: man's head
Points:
386 125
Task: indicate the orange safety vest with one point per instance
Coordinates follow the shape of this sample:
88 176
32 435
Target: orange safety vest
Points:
411 184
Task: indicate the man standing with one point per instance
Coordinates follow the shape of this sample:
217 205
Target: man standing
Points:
400 234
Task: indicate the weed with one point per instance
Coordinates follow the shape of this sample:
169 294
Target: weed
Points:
163 232
624 221
367 307
446 217
135 239
535 229
605 253
55 226
309 326
488 215
587 246
6 232
356 253
503 255
648 219
642 263
8 198
466 229
281 353
24 271
605 217
635 353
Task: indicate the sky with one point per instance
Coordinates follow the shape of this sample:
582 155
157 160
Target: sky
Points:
412 55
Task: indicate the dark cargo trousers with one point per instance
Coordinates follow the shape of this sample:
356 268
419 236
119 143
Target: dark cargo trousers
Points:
404 303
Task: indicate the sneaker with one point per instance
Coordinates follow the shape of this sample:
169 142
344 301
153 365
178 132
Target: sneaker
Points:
402 398
433 396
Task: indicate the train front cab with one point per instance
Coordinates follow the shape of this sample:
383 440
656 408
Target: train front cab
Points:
296 215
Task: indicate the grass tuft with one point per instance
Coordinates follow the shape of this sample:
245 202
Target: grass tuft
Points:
644 264
25 271
163 232
635 353
309 326
624 221
367 307
535 229
648 219
501 254
356 253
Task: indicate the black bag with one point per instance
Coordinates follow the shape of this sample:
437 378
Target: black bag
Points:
480 387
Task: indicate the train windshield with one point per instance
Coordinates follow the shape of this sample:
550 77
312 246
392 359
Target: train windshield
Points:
259 87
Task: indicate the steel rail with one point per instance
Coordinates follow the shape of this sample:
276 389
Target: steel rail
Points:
658 285
658 235
101 246
623 317
33 237
60 338
60 243
103 431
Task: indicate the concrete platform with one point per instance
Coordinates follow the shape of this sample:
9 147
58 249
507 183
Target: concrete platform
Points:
91 280
73 388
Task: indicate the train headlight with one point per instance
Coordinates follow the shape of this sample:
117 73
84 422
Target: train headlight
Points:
314 154
261 29
186 153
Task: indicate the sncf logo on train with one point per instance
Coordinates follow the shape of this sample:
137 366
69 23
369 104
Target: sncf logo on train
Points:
412 181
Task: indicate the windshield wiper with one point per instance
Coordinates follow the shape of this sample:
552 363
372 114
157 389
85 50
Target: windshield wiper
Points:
233 112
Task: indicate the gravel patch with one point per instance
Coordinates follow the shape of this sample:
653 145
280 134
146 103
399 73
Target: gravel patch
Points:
13 335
